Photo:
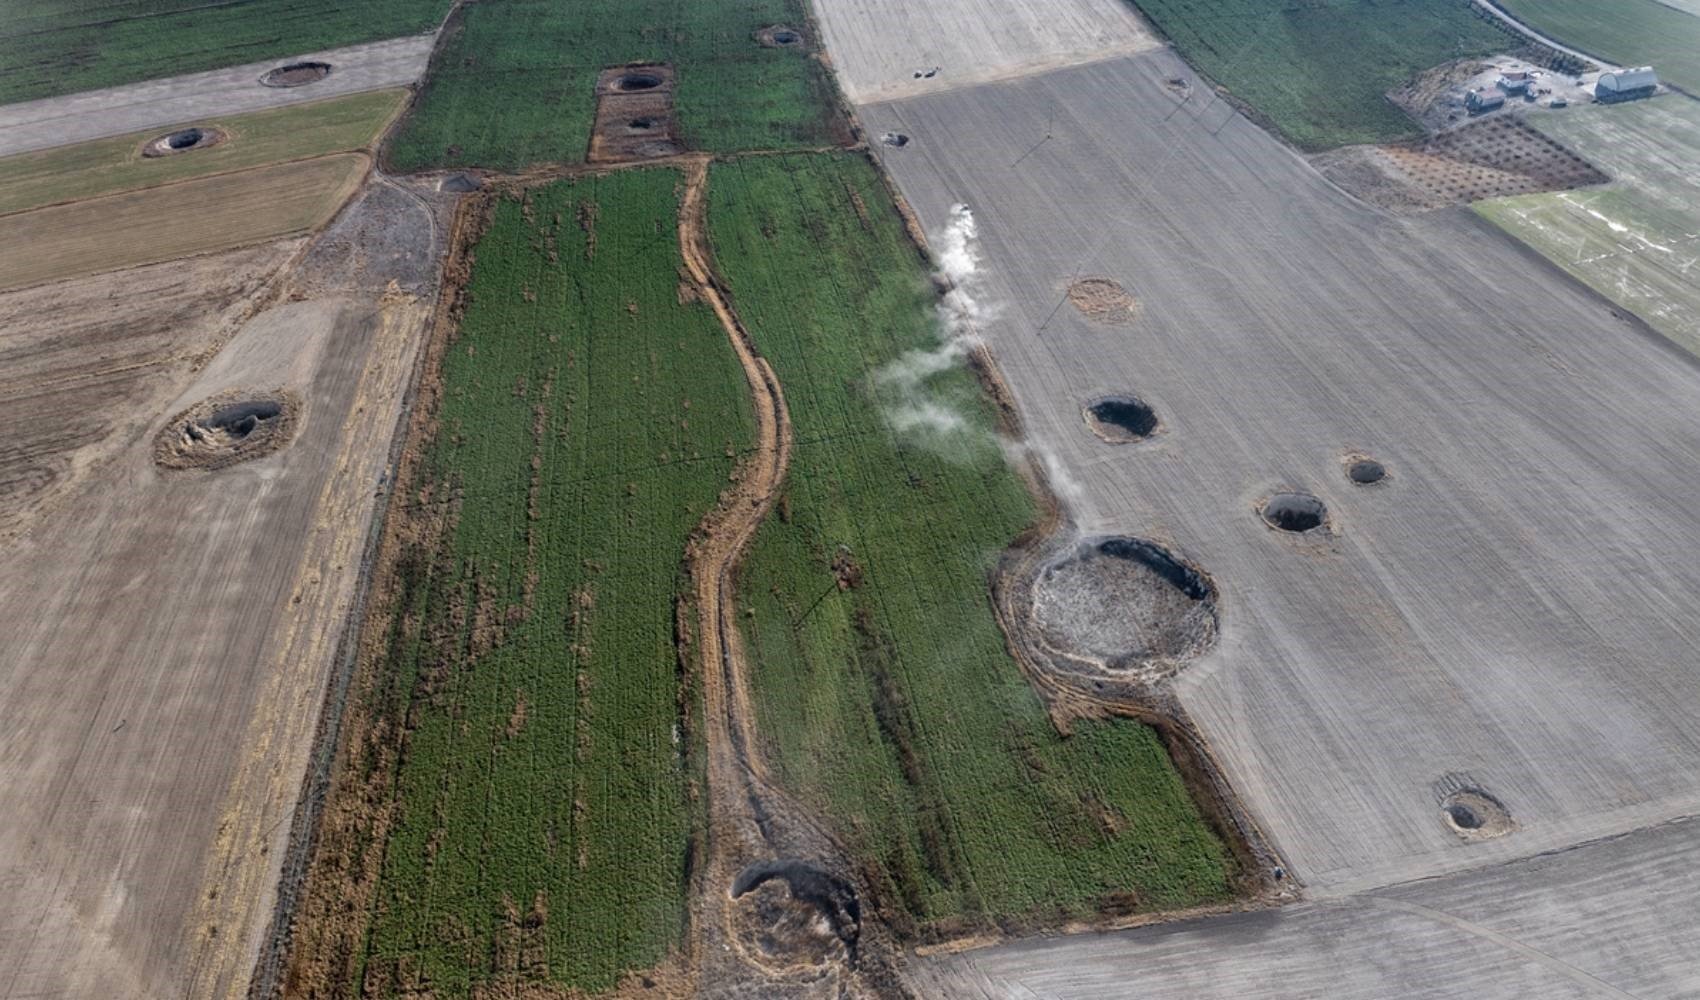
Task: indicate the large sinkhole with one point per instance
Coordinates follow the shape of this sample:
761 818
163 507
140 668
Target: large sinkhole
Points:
1121 418
297 74
1296 512
228 428
792 913
1124 602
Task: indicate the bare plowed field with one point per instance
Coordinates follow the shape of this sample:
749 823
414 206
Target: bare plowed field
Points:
179 220
887 49
86 365
1499 608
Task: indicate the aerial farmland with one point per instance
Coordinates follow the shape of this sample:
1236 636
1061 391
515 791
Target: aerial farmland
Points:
850 498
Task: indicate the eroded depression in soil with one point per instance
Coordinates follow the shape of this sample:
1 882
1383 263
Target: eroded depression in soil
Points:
226 429
1124 603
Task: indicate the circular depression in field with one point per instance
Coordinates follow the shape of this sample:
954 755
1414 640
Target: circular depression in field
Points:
225 429
1124 601
1365 471
1103 300
630 82
297 74
1120 419
1295 512
1474 814
790 914
184 140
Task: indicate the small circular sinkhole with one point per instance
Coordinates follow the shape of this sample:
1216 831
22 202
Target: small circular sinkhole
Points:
1365 471
897 139
1474 814
1296 512
297 74
787 37
637 81
1120 419
183 140
641 124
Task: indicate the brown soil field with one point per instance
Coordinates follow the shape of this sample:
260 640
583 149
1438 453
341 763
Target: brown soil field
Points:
178 220
86 364
174 633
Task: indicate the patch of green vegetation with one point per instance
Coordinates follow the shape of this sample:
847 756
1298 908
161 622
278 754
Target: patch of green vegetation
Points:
105 166
882 683
51 47
1319 71
1627 32
589 419
1633 241
514 83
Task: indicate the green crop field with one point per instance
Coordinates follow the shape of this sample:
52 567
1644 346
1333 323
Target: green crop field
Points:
105 166
1627 32
1320 71
514 83
589 419
1634 241
50 47
891 704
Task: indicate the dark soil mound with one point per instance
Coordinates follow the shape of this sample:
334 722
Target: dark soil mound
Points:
297 74
1298 512
1121 419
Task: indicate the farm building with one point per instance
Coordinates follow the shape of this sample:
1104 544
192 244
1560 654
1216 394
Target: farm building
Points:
1626 84
1515 82
1482 101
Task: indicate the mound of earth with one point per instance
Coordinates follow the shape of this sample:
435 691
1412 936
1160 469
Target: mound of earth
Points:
1124 603
228 428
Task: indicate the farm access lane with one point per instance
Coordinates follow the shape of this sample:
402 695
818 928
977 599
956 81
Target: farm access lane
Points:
94 114
1498 610
1613 919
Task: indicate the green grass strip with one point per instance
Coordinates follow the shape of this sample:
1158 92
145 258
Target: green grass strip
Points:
514 83
892 705
1320 71
589 420
52 47
1627 32
106 166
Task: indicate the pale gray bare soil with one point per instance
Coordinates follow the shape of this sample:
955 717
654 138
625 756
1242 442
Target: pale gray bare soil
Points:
1507 606
878 46
93 114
